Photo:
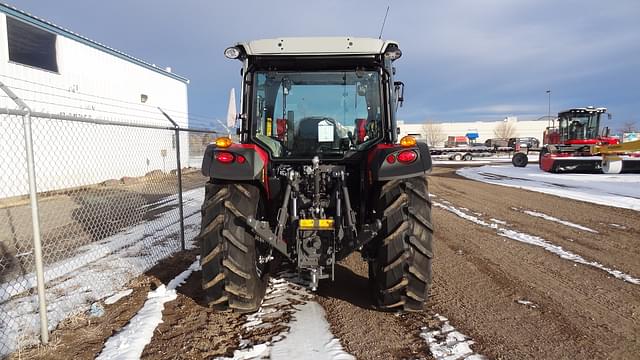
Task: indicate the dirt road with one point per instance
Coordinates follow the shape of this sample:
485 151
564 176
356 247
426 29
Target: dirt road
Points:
576 311
526 275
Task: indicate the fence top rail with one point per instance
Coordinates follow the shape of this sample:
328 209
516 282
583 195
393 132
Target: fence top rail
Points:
35 114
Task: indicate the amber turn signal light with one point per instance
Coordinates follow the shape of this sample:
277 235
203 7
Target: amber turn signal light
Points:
223 142
408 141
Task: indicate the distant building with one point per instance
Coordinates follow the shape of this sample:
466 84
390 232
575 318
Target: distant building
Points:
55 70
485 129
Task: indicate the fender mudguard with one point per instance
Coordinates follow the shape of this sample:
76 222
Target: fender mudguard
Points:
382 170
251 169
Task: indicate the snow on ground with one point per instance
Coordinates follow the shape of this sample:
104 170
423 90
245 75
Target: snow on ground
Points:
560 221
117 296
446 343
97 271
621 190
308 336
536 241
129 343
527 303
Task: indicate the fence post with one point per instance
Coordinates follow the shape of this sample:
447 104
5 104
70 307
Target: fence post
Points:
179 174
35 217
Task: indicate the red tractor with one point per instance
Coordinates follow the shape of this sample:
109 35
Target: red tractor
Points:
577 144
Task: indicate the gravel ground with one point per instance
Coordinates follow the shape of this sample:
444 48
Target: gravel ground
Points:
516 300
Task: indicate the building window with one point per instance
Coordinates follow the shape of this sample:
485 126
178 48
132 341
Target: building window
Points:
31 46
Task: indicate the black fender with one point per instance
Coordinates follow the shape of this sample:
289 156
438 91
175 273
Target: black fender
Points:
253 168
382 170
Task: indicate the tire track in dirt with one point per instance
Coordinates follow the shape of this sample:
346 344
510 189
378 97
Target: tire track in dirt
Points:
479 277
613 246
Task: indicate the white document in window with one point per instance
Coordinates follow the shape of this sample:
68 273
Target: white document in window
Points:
325 131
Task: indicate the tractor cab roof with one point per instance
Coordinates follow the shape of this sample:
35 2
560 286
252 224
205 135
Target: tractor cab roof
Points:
317 46
588 109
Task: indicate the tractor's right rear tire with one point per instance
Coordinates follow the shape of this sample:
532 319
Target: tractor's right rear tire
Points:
232 277
400 272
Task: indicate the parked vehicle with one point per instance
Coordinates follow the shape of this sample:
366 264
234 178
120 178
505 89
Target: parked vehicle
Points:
578 144
529 142
496 143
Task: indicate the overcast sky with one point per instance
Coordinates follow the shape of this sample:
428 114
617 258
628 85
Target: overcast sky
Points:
462 60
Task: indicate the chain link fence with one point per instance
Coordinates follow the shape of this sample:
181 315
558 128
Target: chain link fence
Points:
112 202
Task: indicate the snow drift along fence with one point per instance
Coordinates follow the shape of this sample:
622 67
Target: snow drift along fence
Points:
85 205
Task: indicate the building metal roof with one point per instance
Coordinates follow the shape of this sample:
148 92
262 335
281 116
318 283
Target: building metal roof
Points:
51 27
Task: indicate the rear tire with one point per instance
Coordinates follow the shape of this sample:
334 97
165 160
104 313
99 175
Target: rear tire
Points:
400 273
231 277
520 160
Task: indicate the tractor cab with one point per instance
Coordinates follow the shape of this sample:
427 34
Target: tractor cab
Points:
580 126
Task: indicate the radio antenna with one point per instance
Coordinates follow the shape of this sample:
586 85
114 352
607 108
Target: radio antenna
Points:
383 22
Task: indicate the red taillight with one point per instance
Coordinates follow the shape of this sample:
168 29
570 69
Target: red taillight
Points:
240 159
224 157
391 159
407 156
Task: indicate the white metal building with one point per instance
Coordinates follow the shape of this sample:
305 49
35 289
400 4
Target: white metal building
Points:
58 71
485 129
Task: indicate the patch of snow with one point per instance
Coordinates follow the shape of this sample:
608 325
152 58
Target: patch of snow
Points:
527 303
621 190
260 351
129 342
308 336
618 226
560 221
446 343
498 221
538 241
117 296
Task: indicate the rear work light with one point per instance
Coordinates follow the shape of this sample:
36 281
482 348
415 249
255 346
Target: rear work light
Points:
224 157
407 156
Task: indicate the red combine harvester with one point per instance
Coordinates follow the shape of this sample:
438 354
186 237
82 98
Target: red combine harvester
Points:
577 145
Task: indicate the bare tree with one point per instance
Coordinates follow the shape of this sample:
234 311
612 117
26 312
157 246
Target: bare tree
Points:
628 126
505 130
434 134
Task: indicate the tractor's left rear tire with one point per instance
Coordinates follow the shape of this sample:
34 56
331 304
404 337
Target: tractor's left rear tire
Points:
400 271
232 277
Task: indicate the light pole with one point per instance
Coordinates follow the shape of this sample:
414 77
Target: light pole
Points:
549 110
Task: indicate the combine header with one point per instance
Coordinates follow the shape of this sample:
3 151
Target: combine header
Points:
577 145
